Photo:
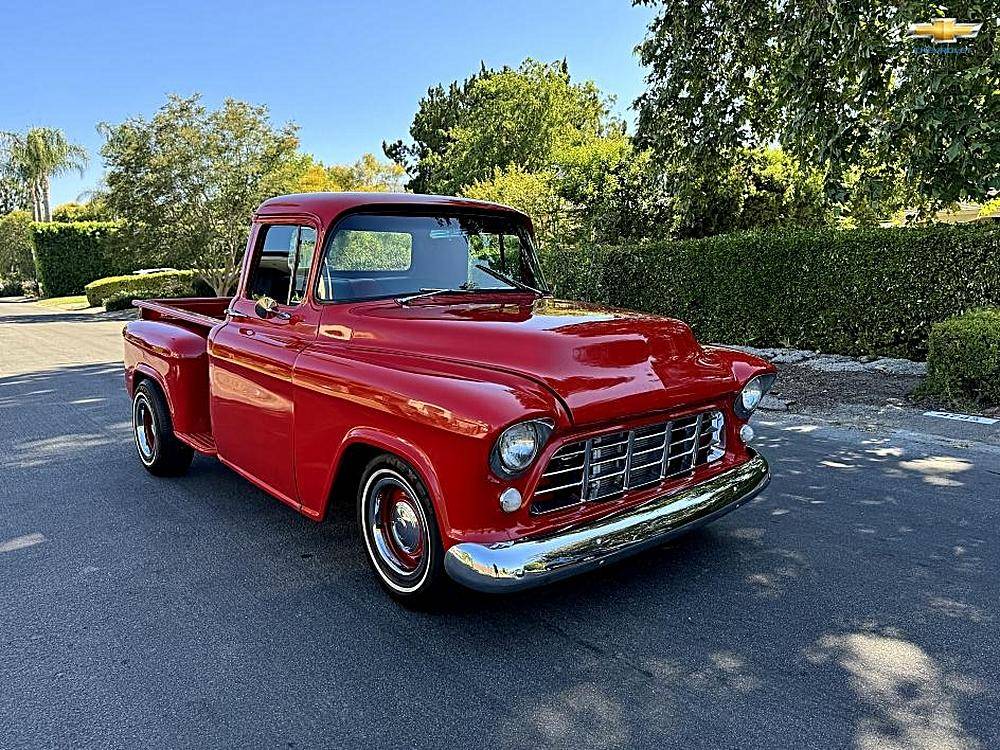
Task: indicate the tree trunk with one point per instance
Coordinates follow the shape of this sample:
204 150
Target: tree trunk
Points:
36 211
36 203
46 206
222 281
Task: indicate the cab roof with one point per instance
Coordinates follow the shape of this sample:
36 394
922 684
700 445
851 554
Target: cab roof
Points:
328 206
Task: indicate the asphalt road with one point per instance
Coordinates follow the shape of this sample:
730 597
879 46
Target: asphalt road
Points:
853 604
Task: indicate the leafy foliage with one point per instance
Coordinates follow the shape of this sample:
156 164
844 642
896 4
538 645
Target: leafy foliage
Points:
16 247
93 210
438 114
533 139
14 194
35 157
368 174
861 291
69 256
534 193
161 284
757 188
963 361
835 84
991 208
188 180
11 287
499 119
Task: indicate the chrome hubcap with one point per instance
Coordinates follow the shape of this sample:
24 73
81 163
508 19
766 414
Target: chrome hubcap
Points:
405 527
396 525
145 428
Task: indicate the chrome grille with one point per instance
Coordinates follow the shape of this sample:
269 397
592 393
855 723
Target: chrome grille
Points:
605 466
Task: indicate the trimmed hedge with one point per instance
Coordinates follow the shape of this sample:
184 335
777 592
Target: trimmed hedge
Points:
118 301
141 286
859 291
69 256
963 360
16 246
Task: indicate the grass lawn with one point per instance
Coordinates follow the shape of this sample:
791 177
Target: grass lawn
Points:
77 302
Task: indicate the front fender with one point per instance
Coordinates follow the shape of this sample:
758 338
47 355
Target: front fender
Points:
743 365
389 442
442 417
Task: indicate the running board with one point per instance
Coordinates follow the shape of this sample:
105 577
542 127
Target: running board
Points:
203 442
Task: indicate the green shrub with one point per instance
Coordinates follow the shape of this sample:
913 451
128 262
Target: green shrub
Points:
141 286
118 301
859 291
963 360
93 210
16 245
11 287
69 256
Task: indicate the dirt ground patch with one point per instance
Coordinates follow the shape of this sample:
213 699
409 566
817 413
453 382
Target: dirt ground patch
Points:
803 388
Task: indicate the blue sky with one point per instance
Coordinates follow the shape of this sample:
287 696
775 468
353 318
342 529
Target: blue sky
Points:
349 73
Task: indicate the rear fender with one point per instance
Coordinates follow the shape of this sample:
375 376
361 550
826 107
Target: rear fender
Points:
177 359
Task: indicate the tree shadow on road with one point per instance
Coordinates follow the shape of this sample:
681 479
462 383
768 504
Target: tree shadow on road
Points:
69 317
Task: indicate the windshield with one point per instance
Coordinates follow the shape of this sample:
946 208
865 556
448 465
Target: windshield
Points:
371 256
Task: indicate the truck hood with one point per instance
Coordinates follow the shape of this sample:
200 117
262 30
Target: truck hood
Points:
603 363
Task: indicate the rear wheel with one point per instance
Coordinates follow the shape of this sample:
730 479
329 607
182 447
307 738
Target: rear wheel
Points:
400 530
160 452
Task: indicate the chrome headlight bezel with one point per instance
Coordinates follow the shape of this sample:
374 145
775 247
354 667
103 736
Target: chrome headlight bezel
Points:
752 394
502 461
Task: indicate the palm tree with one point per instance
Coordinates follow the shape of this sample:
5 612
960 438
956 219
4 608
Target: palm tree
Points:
39 155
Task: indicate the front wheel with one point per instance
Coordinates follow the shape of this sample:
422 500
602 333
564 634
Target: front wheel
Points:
161 453
397 522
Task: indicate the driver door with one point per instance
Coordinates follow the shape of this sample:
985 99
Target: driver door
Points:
252 358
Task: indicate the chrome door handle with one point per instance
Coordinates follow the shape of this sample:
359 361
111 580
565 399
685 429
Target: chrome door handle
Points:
236 314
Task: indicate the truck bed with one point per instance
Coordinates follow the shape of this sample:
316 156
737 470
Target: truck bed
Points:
201 311
169 344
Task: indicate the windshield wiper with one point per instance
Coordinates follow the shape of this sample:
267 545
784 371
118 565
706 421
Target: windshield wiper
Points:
508 280
429 293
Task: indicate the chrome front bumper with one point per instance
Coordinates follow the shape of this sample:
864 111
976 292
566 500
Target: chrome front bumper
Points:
521 564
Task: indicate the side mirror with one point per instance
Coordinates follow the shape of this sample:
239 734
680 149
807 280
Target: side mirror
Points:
267 307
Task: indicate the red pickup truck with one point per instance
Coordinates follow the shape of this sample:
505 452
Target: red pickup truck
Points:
401 353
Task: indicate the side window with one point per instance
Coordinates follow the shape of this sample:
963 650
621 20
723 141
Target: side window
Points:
282 264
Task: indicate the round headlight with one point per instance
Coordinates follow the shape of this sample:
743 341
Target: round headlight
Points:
752 394
518 446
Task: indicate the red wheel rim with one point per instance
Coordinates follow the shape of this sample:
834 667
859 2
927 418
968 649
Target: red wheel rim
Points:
400 520
396 530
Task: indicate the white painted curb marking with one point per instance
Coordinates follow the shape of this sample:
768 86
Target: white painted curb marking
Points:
960 417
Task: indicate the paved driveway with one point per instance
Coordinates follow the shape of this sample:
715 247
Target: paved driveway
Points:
853 604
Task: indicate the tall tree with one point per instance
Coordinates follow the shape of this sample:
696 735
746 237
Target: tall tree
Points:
838 85
499 119
187 181
438 114
39 155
